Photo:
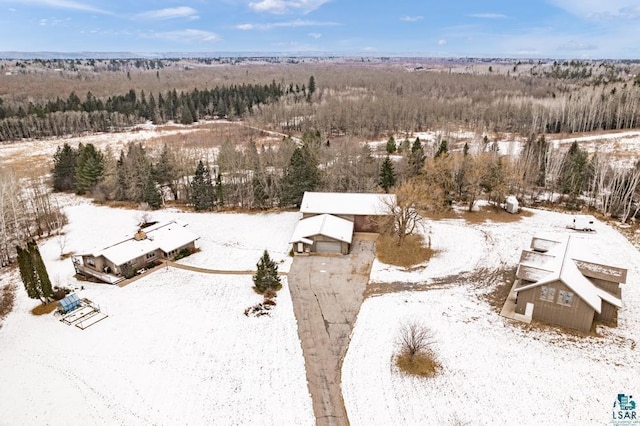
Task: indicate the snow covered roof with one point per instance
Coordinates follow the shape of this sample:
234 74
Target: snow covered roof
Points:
347 203
559 263
166 237
325 224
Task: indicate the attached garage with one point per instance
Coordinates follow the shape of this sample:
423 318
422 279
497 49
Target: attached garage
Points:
322 234
329 247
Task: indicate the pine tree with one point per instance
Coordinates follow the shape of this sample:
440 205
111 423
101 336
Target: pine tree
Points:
266 276
152 194
301 175
64 168
44 283
33 272
387 175
443 149
202 191
391 145
416 158
28 273
89 168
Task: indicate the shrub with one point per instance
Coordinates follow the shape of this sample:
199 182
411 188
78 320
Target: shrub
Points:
7 298
416 356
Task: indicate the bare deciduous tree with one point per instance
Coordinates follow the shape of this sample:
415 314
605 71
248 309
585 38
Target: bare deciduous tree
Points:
414 338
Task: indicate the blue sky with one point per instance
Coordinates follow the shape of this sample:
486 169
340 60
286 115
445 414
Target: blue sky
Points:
493 28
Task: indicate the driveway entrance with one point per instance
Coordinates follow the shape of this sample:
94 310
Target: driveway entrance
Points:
327 292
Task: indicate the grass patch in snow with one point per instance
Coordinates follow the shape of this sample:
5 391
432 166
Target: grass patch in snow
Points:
493 214
45 308
411 253
420 364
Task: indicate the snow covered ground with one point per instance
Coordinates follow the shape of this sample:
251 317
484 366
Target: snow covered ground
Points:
176 347
494 371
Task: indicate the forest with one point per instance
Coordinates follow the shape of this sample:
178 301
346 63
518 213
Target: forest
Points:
327 113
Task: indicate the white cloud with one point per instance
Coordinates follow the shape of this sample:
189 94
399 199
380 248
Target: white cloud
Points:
286 24
67 4
170 13
412 18
188 35
442 42
576 45
599 9
280 7
487 15
315 35
11 9
52 22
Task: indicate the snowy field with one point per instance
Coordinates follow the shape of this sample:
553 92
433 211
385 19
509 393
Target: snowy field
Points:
494 371
176 347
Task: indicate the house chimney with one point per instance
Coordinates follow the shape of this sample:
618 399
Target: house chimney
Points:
140 235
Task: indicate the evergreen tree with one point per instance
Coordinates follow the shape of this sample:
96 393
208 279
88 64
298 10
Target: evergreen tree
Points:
44 283
311 88
443 149
416 158
573 176
301 175
28 273
219 190
64 168
33 272
165 169
266 276
89 168
387 175
202 190
391 145
152 194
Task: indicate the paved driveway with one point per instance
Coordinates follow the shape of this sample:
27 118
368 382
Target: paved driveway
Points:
327 292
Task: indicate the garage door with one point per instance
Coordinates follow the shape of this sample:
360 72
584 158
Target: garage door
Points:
328 247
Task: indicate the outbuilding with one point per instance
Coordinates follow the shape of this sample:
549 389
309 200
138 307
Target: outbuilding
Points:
511 204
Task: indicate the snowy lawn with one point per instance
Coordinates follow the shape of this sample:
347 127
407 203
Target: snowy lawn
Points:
494 371
176 347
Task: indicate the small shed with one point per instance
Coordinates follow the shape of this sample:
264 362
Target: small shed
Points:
511 204
69 303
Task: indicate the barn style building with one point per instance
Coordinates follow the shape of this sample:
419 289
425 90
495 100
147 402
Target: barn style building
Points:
564 289
145 248
329 220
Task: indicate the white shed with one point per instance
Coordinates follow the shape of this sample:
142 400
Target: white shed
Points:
511 204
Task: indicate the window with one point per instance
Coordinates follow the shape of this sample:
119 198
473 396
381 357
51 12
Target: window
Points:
547 293
151 255
91 261
565 297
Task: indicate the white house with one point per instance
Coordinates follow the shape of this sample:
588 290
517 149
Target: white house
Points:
145 248
329 220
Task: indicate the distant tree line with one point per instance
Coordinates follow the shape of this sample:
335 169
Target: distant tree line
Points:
74 115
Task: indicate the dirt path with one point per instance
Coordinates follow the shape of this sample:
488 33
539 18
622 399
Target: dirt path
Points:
167 263
327 293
